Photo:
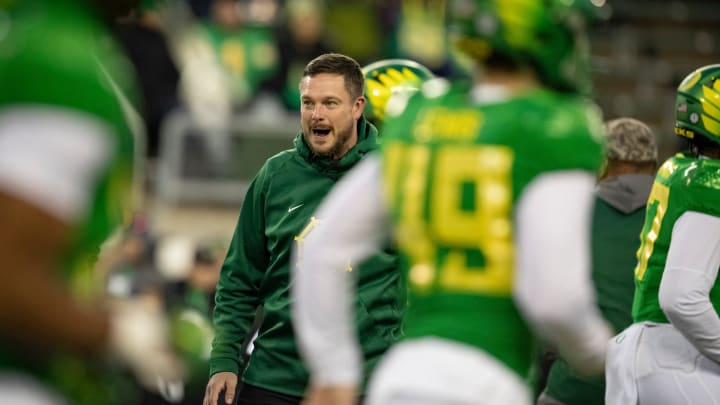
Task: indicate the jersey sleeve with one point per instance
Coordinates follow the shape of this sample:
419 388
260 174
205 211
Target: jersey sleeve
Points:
553 289
690 273
237 292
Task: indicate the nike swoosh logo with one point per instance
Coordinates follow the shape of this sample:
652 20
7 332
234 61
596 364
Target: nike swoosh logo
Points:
291 209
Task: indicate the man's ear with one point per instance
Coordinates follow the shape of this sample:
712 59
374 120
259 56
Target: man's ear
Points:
359 107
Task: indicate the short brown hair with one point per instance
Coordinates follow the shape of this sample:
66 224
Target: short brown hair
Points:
336 63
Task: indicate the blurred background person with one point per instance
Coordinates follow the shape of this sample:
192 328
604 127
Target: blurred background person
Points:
671 353
618 215
178 276
227 55
489 186
245 49
300 38
226 59
143 37
66 176
127 267
420 33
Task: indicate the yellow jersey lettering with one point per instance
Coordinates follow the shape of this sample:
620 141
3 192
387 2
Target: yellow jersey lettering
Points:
659 200
462 211
444 123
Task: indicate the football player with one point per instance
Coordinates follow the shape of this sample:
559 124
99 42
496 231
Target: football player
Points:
671 354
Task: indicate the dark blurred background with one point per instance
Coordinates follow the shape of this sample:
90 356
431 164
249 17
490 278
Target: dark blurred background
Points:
643 52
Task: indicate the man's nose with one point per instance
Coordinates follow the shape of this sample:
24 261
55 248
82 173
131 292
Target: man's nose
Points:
318 112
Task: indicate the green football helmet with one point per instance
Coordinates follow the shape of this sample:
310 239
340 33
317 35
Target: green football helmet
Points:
697 108
391 78
548 35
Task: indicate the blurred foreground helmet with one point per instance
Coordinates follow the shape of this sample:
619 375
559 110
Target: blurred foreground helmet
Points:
697 109
391 78
548 35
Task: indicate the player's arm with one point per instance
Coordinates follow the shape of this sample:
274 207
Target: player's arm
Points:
49 161
352 225
553 287
34 308
690 272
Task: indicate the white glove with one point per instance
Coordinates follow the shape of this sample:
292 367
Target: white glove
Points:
139 338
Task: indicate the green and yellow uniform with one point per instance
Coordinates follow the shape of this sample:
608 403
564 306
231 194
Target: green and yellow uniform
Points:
682 184
454 172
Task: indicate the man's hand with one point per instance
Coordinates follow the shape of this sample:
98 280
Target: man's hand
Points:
224 380
331 395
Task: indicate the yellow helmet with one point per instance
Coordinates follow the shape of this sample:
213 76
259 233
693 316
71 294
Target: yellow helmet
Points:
387 78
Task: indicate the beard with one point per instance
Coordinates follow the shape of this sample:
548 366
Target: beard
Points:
343 137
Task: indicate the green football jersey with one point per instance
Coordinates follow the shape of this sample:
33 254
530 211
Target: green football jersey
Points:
454 171
56 57
682 184
248 55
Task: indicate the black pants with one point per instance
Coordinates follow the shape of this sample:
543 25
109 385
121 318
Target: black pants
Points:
252 395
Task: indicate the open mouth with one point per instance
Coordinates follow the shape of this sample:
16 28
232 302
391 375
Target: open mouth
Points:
321 131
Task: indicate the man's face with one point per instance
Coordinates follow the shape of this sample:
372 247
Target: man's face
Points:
328 114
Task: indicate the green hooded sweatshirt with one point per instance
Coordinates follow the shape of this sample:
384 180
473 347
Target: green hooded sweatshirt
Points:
281 199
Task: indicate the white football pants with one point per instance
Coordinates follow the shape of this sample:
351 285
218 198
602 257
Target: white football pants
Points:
432 371
650 363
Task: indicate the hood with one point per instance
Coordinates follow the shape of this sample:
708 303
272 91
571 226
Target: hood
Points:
367 142
627 192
